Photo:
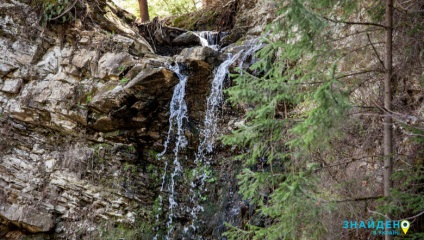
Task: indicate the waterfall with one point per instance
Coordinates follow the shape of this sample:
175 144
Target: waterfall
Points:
178 111
214 101
209 132
256 45
210 39
204 41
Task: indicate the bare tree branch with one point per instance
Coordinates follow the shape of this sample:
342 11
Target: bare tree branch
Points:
375 51
408 218
354 23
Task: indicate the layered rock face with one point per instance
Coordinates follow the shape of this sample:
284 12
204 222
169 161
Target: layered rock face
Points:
84 109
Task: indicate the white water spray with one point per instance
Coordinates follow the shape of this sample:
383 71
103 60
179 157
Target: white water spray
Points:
209 132
250 53
178 114
209 39
178 109
214 101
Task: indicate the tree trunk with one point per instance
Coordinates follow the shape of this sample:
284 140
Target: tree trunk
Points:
206 3
144 10
388 97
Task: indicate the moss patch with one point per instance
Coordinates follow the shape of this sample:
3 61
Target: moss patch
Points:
210 19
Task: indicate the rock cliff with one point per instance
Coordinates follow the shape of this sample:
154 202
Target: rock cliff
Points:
84 108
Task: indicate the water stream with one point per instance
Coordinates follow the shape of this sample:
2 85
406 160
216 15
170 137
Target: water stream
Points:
208 134
214 101
255 46
210 39
178 114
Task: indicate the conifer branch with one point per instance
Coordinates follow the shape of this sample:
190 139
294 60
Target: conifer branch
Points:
347 162
408 218
378 213
358 73
354 34
407 9
419 214
358 199
354 23
375 51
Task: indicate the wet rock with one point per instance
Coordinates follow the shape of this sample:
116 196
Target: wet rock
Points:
186 39
55 161
206 54
233 37
82 114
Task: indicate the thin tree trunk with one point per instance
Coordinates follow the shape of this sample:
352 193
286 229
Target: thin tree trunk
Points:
388 97
144 10
206 3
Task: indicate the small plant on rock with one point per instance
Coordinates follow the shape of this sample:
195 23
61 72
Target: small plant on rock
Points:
124 80
57 10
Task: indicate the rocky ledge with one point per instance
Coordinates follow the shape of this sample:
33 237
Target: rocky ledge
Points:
83 110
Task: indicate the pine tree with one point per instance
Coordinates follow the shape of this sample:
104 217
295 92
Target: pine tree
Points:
304 90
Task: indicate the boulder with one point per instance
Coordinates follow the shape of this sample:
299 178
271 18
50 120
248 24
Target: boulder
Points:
205 54
27 217
112 64
186 39
128 104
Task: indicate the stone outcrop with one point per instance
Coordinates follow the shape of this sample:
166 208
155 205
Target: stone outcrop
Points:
83 107
188 38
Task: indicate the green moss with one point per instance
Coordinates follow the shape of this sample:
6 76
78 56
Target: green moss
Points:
123 80
153 154
88 98
120 231
155 175
130 168
112 134
200 20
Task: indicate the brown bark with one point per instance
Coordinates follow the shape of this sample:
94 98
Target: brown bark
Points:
207 3
144 10
388 99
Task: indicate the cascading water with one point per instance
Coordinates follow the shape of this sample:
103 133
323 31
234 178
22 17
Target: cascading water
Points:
178 109
214 101
204 41
209 131
250 53
178 114
210 39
